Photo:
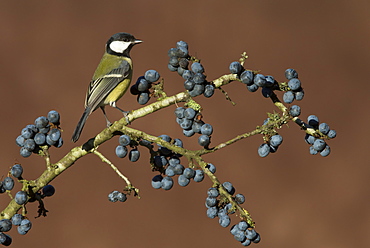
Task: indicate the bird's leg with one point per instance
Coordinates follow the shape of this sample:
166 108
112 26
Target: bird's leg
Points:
125 113
105 115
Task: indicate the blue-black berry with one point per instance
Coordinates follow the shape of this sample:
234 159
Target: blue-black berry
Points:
229 187
190 113
20 197
183 181
259 80
206 129
324 128
235 67
54 117
319 145
288 97
263 150
142 84
197 67
295 110
294 84
5 225
211 168
224 221
291 73
5 239
209 90
24 227
204 140
239 198
143 98
326 151
124 140
247 77
134 155
212 212
16 219
8 183
252 88
167 183
276 140
213 192
157 181
121 151
313 120
182 44
41 122
189 173
332 134
199 176
151 76
48 190
24 152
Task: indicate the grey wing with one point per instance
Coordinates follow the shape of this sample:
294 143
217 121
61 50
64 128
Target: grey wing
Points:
100 88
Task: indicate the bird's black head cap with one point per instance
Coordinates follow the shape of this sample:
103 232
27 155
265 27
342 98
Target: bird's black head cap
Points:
120 44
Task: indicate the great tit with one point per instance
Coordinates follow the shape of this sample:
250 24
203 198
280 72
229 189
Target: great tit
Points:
111 79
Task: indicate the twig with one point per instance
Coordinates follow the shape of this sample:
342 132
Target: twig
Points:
105 160
229 142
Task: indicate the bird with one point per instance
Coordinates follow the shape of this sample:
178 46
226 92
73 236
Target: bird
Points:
111 78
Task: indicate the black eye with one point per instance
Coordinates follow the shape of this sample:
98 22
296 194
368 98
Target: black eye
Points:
125 40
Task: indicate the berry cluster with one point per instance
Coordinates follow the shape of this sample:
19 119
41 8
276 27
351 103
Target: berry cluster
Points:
256 81
164 153
253 81
8 184
168 162
295 91
45 131
218 206
317 144
21 197
271 146
191 123
244 234
121 149
179 57
121 152
23 226
195 79
142 86
173 168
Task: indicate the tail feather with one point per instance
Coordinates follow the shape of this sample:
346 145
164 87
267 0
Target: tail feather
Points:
80 125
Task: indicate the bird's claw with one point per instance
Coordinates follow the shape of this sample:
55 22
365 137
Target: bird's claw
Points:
125 114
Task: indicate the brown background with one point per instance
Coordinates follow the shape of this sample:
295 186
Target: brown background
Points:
50 50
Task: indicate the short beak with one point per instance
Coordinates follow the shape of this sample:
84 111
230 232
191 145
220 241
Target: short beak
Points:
137 41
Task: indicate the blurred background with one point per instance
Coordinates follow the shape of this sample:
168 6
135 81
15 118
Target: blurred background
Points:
49 52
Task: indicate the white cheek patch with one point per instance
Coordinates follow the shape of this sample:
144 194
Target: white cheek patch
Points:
119 46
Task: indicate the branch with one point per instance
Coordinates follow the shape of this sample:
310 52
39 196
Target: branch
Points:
54 170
